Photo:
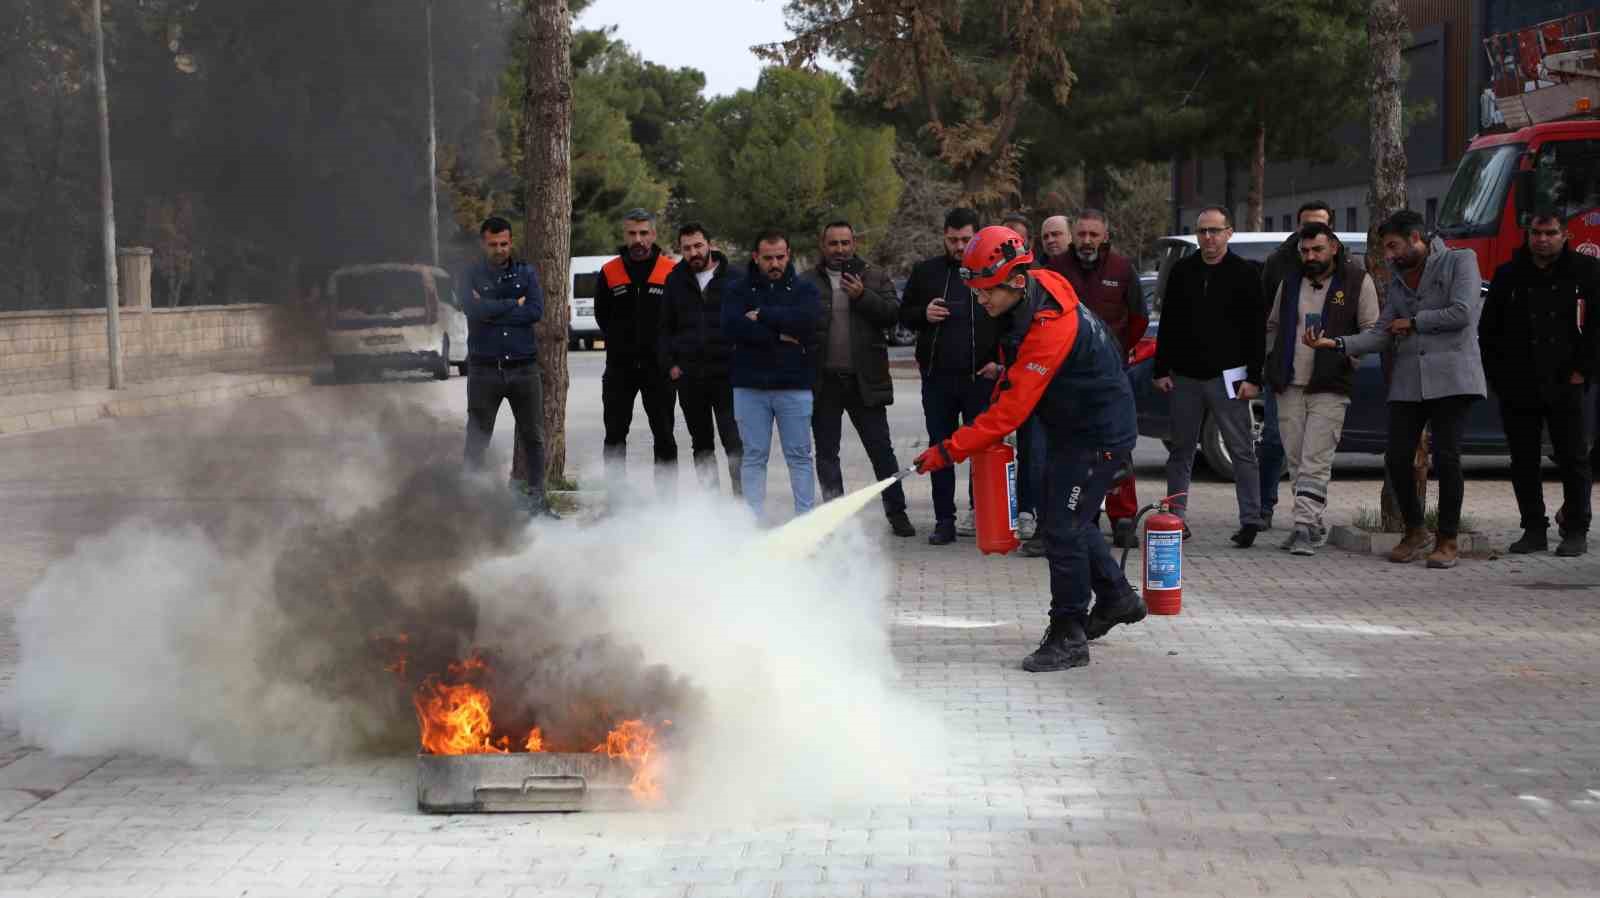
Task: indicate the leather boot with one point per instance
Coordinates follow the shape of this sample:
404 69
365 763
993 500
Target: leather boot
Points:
1444 554
1127 608
1064 646
1534 539
1410 548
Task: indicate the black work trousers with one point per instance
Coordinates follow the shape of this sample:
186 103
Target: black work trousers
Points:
1447 416
1075 482
707 405
1525 418
837 394
488 385
629 375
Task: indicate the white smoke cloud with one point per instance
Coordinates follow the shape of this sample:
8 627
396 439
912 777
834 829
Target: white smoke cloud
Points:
213 647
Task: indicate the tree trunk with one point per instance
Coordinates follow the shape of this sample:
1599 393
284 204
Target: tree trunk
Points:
548 232
1230 188
1387 192
1256 198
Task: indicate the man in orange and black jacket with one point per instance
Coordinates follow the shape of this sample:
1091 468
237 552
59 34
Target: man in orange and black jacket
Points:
627 307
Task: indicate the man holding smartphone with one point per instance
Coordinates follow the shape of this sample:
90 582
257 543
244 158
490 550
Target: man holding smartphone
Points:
1329 295
858 302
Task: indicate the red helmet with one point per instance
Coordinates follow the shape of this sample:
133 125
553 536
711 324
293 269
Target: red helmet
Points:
992 256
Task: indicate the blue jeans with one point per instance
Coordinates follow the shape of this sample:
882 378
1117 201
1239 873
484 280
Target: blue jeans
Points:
755 410
1269 454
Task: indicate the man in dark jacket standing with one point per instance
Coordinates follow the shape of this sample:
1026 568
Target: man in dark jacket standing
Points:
503 301
771 316
1539 357
1106 282
627 308
695 354
1283 263
1208 358
857 303
957 348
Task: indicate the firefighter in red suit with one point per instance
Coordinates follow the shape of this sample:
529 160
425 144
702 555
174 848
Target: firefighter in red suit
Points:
1068 368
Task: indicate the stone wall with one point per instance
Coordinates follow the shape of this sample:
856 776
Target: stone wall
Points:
61 350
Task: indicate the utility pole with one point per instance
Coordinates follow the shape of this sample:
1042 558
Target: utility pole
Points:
108 219
433 146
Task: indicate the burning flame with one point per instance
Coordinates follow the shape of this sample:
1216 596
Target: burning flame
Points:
455 717
634 741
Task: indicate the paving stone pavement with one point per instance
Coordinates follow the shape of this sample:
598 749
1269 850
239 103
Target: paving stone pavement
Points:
1333 726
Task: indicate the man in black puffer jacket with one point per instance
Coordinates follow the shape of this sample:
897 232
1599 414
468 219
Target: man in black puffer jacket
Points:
695 354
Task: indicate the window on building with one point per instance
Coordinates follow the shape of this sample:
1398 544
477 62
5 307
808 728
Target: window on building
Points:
1351 223
1287 224
1433 211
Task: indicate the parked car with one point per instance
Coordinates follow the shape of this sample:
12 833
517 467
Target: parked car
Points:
582 331
394 315
1366 427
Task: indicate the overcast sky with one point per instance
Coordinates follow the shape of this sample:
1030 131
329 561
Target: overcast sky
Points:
713 36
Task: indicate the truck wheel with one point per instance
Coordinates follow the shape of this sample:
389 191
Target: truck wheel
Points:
1215 450
441 371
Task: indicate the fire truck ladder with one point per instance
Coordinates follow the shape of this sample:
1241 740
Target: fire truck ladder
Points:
1548 71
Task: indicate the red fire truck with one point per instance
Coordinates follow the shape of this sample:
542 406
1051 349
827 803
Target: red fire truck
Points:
1543 150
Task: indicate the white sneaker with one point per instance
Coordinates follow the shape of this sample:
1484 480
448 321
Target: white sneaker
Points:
967 524
1027 525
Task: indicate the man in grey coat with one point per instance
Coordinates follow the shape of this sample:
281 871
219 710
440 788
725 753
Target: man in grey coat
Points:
1431 323
858 302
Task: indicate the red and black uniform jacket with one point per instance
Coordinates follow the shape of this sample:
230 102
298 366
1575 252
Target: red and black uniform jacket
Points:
1110 287
628 304
1068 368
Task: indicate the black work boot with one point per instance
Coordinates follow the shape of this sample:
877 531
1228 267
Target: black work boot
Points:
944 533
1246 537
900 525
1064 646
1534 539
1127 608
1573 544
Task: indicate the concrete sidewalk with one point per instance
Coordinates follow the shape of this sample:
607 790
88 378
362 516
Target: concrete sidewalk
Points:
32 412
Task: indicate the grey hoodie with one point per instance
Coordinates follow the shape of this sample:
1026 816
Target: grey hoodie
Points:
1441 358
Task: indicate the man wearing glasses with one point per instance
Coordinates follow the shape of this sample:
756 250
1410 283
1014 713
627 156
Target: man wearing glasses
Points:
1209 352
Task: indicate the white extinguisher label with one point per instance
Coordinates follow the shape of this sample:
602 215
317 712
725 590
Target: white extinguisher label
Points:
1163 559
1011 492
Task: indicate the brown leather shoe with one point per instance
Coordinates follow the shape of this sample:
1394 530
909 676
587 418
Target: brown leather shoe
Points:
1410 548
1444 554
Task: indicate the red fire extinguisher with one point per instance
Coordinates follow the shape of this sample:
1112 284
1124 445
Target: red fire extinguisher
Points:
1163 558
994 499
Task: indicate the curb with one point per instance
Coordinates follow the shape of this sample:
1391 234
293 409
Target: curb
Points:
1364 542
155 402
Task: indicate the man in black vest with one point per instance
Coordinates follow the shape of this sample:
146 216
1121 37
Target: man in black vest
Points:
627 308
1539 357
1332 296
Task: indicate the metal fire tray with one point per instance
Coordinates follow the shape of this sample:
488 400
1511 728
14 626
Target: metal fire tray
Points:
522 782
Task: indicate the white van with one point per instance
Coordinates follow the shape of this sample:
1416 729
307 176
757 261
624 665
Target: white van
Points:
394 315
582 330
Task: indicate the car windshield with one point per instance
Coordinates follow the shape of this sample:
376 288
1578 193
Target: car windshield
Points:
1477 194
381 298
1566 177
584 285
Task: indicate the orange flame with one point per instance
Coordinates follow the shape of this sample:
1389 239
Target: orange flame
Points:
535 740
634 741
455 719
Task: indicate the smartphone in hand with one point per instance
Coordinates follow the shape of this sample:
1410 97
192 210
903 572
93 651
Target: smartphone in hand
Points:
1314 322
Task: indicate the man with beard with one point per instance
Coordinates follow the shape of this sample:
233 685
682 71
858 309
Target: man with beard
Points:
627 308
1539 356
1284 261
771 317
1431 323
1106 282
694 353
502 300
1331 297
858 302
957 351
